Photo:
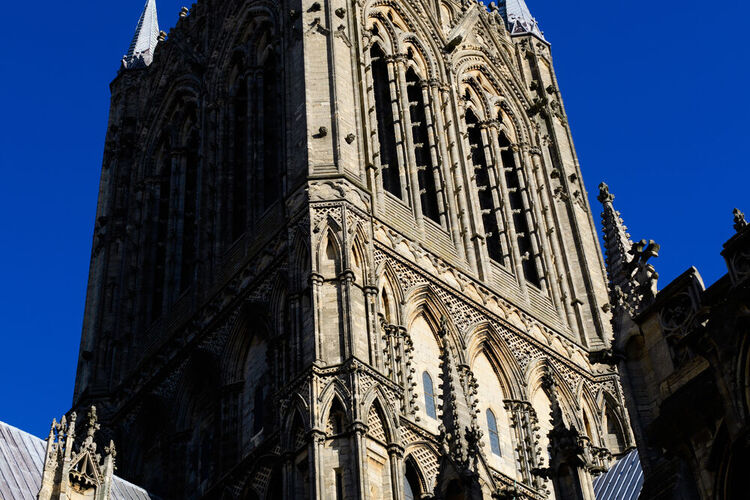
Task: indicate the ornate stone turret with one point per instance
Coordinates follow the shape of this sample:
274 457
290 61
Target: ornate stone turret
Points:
73 472
632 280
141 51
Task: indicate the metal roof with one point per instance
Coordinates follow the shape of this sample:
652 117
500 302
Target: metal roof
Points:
519 19
22 461
141 51
623 481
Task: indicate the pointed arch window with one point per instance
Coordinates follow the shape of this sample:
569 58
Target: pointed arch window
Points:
412 485
389 168
426 171
484 189
239 161
520 221
493 433
429 396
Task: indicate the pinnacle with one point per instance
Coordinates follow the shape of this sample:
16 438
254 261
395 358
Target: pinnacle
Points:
141 51
519 19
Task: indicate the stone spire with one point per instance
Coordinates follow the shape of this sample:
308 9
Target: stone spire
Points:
632 281
141 51
518 18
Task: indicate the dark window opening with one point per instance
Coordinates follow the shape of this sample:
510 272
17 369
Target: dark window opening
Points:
339 480
187 266
412 484
482 181
386 127
160 240
239 162
258 410
272 143
520 223
425 168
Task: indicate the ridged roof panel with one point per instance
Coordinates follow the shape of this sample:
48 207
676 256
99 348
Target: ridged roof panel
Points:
623 481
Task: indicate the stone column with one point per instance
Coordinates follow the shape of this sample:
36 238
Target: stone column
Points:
435 110
493 151
396 458
434 156
359 430
398 127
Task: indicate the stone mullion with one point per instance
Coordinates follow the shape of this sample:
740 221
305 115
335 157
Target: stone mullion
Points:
533 230
396 459
542 232
435 157
436 112
465 196
398 128
555 245
411 163
505 219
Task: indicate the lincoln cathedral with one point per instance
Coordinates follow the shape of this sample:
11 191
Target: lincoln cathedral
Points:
343 250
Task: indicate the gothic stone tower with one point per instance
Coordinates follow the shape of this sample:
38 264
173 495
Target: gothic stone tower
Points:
343 250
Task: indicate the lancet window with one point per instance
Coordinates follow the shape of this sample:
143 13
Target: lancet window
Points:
483 179
429 395
521 215
255 128
427 174
160 227
389 167
494 435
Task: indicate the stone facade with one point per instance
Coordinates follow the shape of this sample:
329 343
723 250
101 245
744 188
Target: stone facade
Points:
685 360
343 250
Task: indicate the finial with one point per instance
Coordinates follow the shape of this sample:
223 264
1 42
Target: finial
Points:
740 222
184 12
604 194
93 422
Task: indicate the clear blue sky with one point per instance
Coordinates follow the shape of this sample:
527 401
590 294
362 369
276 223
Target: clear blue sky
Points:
653 98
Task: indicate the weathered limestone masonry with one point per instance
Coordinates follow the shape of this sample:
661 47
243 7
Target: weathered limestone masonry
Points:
684 356
343 250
